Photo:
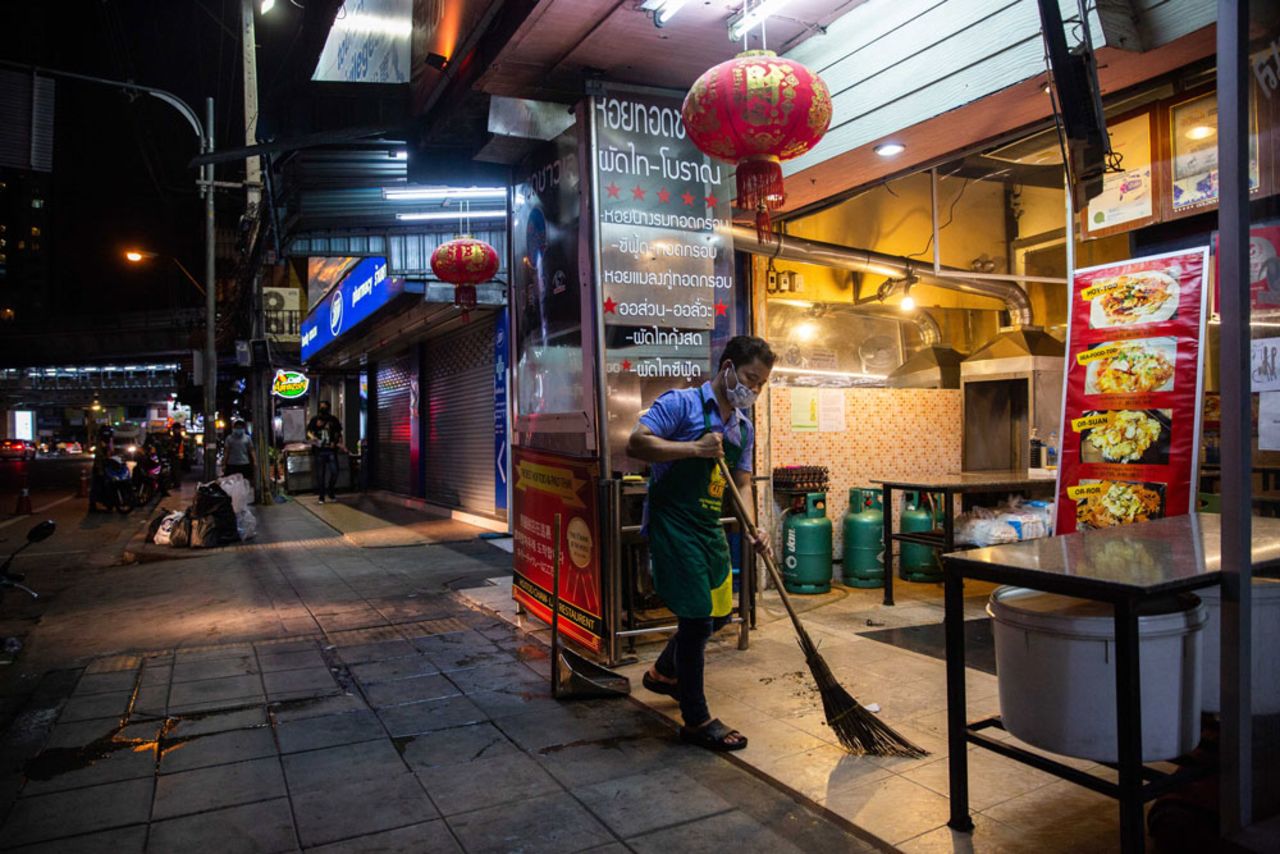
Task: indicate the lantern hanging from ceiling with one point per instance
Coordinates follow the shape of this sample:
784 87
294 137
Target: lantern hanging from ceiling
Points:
464 263
755 111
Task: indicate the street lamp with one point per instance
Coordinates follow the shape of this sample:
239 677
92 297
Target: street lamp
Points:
137 256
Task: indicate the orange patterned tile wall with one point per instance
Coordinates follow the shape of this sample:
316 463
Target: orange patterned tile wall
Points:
888 432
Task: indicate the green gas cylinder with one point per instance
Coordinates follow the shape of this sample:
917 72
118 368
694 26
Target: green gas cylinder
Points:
864 539
917 562
806 547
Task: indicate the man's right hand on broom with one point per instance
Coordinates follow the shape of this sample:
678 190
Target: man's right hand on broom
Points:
710 446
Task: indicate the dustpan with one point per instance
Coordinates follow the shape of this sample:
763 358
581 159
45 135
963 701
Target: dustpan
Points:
574 677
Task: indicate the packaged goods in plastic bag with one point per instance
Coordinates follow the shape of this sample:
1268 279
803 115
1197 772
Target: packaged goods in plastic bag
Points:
180 534
239 489
246 524
977 529
153 526
164 533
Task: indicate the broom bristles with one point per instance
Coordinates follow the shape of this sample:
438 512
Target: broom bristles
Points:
859 730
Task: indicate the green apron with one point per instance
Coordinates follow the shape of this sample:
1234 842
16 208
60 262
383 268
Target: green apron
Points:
691 568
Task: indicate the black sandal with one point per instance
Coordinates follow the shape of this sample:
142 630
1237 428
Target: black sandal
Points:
657 686
713 736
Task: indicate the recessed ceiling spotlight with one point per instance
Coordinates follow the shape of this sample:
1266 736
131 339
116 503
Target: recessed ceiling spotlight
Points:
890 149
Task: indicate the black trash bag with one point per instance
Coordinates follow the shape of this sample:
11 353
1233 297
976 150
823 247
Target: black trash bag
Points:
213 518
180 536
154 524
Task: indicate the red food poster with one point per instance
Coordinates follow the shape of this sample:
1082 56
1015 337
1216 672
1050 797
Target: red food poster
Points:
1131 413
1264 269
546 485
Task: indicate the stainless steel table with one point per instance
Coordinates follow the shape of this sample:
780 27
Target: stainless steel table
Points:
949 485
1184 554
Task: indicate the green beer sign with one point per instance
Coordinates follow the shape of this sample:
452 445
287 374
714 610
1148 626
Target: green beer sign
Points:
290 385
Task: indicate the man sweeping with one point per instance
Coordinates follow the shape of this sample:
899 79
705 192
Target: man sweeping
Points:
683 435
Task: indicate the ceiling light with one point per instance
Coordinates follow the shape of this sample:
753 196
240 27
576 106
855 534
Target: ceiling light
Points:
442 216
427 194
1201 132
890 149
908 303
397 26
398 155
805 332
267 6
667 11
744 21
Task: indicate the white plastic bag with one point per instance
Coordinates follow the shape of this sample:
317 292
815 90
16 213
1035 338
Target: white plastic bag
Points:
240 490
246 524
167 524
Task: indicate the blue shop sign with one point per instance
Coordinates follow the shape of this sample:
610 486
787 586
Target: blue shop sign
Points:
362 291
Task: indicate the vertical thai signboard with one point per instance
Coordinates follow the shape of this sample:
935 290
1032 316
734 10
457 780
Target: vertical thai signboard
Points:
1131 413
501 465
664 254
547 485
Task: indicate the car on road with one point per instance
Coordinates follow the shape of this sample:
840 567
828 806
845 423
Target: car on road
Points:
17 449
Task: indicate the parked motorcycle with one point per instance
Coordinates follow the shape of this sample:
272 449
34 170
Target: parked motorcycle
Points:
118 486
148 476
40 532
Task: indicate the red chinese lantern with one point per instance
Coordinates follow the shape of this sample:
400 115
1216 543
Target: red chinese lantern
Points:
464 263
755 111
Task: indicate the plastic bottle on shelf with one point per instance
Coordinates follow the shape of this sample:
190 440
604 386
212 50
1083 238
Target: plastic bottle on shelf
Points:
1051 451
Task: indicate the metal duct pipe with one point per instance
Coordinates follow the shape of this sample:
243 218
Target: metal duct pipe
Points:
928 328
865 261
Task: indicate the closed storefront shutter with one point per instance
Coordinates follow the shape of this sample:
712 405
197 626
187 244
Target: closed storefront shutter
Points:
459 413
392 465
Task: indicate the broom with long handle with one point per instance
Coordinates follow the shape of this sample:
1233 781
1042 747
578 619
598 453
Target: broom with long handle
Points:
859 730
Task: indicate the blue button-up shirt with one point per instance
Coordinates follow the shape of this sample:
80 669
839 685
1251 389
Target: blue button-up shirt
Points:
678 417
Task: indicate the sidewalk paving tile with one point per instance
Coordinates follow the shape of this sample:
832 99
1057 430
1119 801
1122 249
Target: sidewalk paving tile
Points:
123 763
84 708
515 700
432 837
893 809
356 808
711 834
317 680
199 751
416 690
219 721
650 800
329 731
264 827
377 651
456 746
594 762
105 683
81 733
301 709
124 840
415 718
216 668
212 652
270 662
78 811
497 675
188 696
552 823
408 667
319 769
220 786
486 782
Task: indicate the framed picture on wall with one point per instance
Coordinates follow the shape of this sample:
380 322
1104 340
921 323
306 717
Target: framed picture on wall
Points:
1129 197
1193 154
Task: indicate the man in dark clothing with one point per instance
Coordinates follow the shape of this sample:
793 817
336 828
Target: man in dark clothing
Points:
325 433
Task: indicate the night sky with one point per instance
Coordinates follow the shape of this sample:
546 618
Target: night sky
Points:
120 176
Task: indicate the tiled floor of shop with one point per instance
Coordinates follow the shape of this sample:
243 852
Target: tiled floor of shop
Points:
766 692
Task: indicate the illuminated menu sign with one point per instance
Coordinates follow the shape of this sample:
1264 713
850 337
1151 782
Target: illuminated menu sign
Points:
1131 414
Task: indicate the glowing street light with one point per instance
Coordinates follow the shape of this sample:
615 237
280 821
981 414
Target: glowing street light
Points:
137 256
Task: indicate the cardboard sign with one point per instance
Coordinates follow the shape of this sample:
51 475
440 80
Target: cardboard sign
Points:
546 485
1131 413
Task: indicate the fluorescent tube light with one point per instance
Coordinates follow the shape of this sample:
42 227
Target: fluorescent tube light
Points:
753 18
668 11
426 194
445 216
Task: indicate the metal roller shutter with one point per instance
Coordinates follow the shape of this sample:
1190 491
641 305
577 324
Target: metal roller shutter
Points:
391 455
459 413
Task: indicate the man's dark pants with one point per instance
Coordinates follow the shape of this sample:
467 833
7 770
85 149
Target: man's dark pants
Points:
684 659
326 472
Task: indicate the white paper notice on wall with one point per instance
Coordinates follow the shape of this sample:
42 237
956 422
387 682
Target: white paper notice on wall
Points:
1269 421
831 410
1265 364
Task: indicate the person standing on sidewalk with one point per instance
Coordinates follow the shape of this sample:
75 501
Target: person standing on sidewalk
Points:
683 435
325 433
237 453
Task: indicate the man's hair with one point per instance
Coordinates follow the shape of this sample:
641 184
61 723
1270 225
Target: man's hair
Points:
744 349
237 423
322 403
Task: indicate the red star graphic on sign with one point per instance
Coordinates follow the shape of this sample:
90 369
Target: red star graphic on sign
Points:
613 190
637 193
721 308
687 197
712 200
626 364
664 195
610 307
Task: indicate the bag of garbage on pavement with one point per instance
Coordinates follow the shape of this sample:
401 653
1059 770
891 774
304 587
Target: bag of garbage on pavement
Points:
213 518
153 526
246 524
240 490
170 521
180 534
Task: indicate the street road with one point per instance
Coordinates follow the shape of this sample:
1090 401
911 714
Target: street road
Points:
49 479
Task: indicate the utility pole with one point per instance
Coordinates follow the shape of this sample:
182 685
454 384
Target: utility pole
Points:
253 210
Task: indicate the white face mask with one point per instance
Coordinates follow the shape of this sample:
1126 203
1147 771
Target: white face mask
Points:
740 397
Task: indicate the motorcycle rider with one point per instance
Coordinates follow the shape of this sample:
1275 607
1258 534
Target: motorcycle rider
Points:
102 450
